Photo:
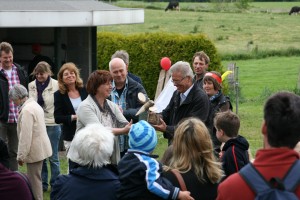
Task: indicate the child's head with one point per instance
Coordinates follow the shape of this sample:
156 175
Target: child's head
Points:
227 122
142 136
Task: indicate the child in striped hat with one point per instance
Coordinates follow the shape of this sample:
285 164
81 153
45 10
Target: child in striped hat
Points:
139 171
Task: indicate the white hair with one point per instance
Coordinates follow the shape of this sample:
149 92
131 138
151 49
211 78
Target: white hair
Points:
92 146
18 91
183 67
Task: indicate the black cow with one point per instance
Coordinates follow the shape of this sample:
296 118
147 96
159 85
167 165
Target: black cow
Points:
295 9
173 5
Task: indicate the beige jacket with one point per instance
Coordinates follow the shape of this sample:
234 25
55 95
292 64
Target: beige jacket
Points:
89 113
34 143
48 96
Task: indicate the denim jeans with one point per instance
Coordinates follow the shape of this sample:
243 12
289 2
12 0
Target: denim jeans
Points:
54 133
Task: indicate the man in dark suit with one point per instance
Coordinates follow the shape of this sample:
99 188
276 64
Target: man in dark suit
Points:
187 101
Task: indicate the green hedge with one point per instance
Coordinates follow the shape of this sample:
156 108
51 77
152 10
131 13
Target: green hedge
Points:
146 50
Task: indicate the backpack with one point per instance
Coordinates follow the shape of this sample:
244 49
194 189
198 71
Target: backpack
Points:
275 188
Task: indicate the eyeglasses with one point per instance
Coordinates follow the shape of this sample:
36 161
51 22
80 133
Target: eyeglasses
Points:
177 82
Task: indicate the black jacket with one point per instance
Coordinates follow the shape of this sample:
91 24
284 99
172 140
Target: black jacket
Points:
215 107
132 102
235 155
4 88
196 105
63 109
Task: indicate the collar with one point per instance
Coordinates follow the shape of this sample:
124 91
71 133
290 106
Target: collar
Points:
114 85
186 93
275 156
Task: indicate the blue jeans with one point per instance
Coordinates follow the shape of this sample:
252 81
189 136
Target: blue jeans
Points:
54 133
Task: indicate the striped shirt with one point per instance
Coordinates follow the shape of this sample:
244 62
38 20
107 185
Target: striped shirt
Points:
13 79
121 101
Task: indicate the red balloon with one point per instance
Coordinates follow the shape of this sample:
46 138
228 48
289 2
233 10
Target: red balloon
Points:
165 63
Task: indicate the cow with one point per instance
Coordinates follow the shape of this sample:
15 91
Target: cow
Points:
295 9
173 5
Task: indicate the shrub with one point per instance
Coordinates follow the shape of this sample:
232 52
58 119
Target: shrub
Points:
146 50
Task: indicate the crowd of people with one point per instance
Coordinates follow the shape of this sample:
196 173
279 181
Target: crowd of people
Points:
109 148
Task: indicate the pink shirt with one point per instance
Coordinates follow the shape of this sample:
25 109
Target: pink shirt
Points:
12 80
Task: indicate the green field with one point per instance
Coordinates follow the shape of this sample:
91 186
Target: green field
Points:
265 26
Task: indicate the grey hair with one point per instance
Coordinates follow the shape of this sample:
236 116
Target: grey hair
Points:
183 67
92 146
18 91
114 60
121 54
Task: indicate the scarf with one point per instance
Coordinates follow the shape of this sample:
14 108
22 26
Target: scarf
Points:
40 89
107 109
212 98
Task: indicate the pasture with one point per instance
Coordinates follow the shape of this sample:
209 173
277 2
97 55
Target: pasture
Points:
264 27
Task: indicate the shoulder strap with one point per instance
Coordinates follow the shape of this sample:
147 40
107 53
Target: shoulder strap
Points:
27 182
254 179
180 179
234 158
292 177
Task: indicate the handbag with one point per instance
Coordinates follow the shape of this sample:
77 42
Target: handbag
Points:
180 179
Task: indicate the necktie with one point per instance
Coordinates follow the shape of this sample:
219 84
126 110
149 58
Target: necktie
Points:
182 98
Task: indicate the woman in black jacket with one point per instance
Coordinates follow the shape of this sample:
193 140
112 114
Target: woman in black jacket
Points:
66 101
212 85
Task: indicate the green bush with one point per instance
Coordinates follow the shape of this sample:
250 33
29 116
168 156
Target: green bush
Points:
146 50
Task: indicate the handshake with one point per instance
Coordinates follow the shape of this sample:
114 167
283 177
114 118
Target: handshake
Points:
153 117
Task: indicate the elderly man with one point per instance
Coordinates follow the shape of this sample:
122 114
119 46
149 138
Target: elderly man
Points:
200 64
281 133
10 74
125 94
125 57
187 101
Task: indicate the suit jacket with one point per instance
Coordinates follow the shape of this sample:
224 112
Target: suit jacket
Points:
63 110
196 105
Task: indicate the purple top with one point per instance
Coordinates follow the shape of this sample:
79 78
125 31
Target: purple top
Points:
13 186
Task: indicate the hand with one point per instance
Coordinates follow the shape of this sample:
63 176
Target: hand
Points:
161 127
20 162
185 195
127 127
74 117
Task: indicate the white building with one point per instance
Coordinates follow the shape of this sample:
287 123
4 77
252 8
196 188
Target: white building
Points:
66 29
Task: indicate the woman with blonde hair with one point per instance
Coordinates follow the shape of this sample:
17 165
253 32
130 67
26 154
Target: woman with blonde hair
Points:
66 101
193 157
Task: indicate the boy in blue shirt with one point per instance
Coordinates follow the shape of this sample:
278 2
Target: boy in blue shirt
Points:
140 173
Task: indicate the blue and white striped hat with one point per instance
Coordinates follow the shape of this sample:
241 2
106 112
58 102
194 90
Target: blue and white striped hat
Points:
142 136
